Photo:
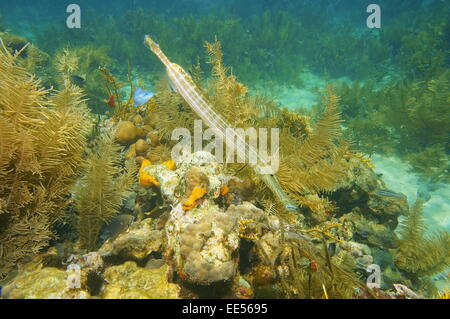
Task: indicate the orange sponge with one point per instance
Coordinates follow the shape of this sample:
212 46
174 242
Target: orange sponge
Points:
144 178
197 193
170 164
224 190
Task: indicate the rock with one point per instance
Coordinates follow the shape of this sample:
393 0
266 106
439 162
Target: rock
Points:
370 232
197 184
90 262
363 189
360 177
389 277
155 263
137 243
203 243
45 283
195 178
130 202
239 191
247 210
128 281
194 169
387 209
167 179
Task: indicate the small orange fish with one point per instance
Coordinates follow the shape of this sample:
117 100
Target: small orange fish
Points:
111 102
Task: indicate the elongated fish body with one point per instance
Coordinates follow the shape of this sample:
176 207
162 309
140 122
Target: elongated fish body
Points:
185 86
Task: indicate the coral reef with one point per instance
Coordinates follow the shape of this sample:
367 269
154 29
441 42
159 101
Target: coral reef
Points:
203 242
108 211
244 250
300 264
85 278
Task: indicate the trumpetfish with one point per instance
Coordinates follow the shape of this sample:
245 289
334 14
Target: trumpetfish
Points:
186 87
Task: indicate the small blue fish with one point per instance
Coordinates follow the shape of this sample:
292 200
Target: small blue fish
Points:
141 97
388 193
291 207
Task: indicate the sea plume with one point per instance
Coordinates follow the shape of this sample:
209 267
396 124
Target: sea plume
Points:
41 147
103 186
419 254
